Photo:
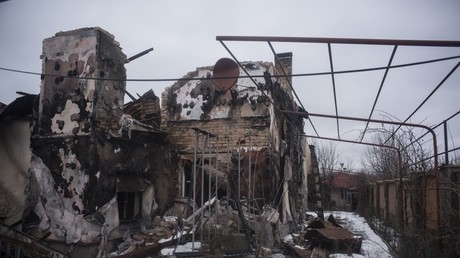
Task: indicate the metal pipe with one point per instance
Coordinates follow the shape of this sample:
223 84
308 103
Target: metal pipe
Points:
209 189
145 52
333 88
426 99
239 177
380 89
205 138
446 144
392 42
228 172
438 125
217 180
249 172
194 186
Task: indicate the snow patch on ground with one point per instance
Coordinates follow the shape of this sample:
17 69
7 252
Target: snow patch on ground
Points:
372 245
181 248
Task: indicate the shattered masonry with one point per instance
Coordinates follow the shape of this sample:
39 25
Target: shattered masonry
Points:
93 164
248 123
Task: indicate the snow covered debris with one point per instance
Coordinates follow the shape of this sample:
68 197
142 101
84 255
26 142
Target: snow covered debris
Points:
372 245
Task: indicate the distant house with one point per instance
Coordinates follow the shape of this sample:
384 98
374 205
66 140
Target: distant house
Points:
344 192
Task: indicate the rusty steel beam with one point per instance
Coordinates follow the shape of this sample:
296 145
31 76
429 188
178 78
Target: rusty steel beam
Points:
358 142
427 98
429 129
380 89
329 48
392 42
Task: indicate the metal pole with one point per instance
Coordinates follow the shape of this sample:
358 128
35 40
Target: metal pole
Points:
217 181
209 191
140 54
446 144
228 172
205 138
249 169
239 177
194 187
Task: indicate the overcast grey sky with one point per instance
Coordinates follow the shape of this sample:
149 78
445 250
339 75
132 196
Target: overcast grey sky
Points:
183 35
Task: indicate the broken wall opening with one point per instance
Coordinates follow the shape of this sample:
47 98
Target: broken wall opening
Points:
129 206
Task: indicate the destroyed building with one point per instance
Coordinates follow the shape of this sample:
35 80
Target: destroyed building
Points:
89 163
78 163
227 121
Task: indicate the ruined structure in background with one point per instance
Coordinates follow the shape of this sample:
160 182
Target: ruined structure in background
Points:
236 144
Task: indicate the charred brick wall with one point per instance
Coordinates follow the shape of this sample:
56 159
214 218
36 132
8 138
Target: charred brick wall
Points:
245 112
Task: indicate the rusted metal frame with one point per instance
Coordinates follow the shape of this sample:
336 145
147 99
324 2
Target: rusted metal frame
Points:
380 90
426 99
290 84
435 146
421 43
438 125
441 153
333 87
359 142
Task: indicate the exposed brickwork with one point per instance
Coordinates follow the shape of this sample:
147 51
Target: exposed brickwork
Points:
181 135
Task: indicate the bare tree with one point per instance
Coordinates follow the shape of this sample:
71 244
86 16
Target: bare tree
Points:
328 159
386 163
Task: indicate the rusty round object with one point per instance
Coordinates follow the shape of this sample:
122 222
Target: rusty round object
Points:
225 74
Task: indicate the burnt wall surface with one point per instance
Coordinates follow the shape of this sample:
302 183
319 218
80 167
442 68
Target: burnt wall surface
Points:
74 97
247 116
198 99
81 132
85 169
